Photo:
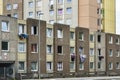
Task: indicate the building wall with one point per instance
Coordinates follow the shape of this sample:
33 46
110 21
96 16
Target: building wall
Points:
100 45
109 19
22 55
85 45
14 9
1 7
64 56
55 17
31 57
87 14
114 58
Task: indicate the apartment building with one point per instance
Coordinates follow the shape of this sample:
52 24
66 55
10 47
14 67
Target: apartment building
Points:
13 8
60 11
112 54
8 42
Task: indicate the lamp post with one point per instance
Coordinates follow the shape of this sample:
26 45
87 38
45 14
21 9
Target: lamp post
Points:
39 44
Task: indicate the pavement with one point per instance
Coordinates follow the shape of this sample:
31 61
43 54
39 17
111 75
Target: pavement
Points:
83 78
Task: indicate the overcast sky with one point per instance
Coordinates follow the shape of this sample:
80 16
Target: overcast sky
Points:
118 16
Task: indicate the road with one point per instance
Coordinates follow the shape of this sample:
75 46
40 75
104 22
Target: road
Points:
84 78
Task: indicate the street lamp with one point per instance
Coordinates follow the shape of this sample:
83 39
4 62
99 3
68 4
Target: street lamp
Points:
39 44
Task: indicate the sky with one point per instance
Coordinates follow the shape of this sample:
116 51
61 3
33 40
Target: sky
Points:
118 16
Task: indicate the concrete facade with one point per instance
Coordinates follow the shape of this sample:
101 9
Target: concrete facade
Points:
13 8
8 42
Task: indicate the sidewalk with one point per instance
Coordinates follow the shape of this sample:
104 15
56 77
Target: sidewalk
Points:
84 78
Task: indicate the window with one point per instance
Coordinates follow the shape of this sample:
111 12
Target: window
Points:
15 15
72 50
72 65
60 11
72 34
21 65
34 66
117 65
51 12
99 52
98 22
81 66
99 38
117 53
30 4
49 48
51 2
117 41
110 52
59 49
34 30
5 26
110 65
81 36
69 21
34 48
91 37
81 50
51 21
59 66
61 21
21 47
98 10
99 65
30 14
39 3
49 66
21 28
91 65
15 6
110 39
69 1
69 10
9 6
49 32
91 52
59 33
60 1
5 45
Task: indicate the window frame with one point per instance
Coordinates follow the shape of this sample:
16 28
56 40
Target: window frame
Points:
6 46
5 24
23 47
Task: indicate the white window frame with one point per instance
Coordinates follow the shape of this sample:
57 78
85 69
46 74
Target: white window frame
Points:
49 32
59 33
36 65
15 6
5 26
117 53
92 65
8 6
81 66
72 35
110 39
69 10
59 66
30 4
23 46
49 47
110 65
110 52
117 65
32 30
35 48
72 65
21 28
81 36
91 52
49 66
22 66
7 46
30 14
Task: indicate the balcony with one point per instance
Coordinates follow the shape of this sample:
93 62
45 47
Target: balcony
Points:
23 36
100 57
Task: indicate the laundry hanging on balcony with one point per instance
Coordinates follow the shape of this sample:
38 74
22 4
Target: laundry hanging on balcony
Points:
100 57
73 57
82 58
23 36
